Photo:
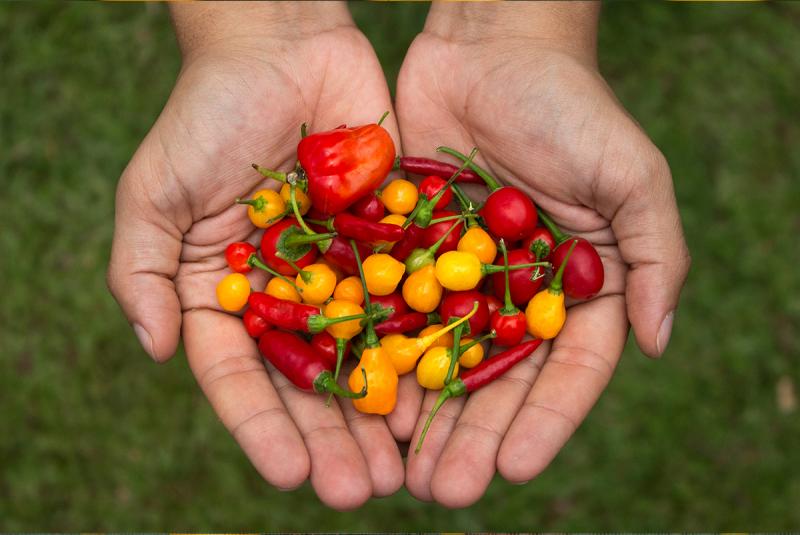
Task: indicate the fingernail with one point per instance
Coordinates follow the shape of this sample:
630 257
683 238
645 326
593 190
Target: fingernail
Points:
145 339
664 332
520 483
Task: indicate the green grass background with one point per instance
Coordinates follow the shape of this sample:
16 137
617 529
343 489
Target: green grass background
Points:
93 436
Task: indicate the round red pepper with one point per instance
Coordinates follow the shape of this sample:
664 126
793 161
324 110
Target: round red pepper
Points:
237 255
369 207
459 304
431 186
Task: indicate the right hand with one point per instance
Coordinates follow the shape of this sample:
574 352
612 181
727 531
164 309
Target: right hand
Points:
240 98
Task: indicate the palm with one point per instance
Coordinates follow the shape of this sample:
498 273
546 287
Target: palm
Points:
222 116
550 126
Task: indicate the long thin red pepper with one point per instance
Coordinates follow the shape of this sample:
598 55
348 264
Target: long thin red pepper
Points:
478 377
428 166
304 367
350 226
292 316
405 323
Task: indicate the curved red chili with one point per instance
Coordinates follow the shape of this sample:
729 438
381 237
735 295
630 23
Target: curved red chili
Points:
405 323
350 226
410 241
369 207
304 367
292 316
428 166
340 254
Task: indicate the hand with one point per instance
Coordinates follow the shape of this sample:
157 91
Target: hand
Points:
545 121
240 98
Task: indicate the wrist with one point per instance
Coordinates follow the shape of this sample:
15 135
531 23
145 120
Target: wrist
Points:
210 26
567 27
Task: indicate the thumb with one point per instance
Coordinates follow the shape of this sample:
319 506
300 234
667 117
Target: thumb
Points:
648 229
144 258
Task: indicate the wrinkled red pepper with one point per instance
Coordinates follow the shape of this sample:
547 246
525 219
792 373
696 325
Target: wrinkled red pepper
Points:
345 164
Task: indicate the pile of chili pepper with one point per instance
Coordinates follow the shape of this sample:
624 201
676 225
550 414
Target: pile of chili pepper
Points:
401 277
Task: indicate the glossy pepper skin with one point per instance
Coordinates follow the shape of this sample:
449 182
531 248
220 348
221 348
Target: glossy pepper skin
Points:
341 255
345 164
350 226
402 324
269 248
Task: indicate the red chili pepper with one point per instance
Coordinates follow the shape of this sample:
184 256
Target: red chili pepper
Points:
406 323
369 207
432 234
392 301
292 316
584 274
431 185
508 322
524 282
427 167
325 345
493 304
508 212
344 164
254 324
410 241
478 377
305 368
340 254
540 243
284 241
459 304
237 255
350 226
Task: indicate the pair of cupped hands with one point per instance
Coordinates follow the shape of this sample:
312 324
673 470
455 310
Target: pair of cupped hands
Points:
521 83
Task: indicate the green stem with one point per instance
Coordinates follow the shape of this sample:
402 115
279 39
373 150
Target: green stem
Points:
254 261
490 181
454 389
305 275
455 352
302 239
326 383
556 285
509 307
559 236
468 208
488 269
371 338
452 217
466 347
383 117
303 130
341 345
296 209
328 223
269 173
413 215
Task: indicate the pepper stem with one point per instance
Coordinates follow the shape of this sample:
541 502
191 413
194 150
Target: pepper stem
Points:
556 284
449 391
490 181
488 269
425 205
296 209
466 203
305 275
301 239
269 173
303 130
254 261
558 235
472 343
371 338
455 353
383 117
326 383
425 342
341 345
435 247
509 307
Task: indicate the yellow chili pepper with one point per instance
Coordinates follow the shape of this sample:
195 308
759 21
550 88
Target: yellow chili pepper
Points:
282 289
339 308
303 202
233 291
265 208
422 291
477 241
445 340
316 283
433 367
349 289
382 273
472 352
458 270
336 269
545 314
382 379
404 352
400 196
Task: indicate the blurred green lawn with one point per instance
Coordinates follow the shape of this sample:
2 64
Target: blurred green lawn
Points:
93 436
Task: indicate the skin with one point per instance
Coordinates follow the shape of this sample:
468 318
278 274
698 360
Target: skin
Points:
522 84
236 102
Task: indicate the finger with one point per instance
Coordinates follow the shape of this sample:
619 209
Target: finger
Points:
580 364
339 474
420 466
403 418
648 227
377 444
479 431
226 363
144 260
